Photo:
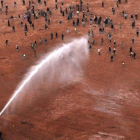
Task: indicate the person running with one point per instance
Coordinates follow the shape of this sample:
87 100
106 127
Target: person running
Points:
0 135
99 51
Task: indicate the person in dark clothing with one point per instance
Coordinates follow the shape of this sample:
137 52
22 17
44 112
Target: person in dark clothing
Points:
133 40
33 26
134 55
45 3
26 28
6 42
13 28
35 43
90 47
0 135
130 49
102 4
56 35
111 58
62 36
136 16
93 42
77 21
137 32
21 23
109 49
45 40
114 51
46 27
8 23
113 10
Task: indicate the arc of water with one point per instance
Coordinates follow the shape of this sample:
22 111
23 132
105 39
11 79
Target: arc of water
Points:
34 71
24 83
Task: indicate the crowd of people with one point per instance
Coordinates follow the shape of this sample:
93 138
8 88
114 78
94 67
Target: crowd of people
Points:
33 13
73 10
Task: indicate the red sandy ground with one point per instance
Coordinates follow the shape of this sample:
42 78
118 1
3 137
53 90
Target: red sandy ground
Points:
104 104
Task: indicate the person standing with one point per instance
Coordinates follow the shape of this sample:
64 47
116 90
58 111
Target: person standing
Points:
40 41
130 50
109 49
114 51
120 25
90 47
122 46
45 3
8 22
111 58
103 4
51 36
25 31
17 48
0 135
62 36
56 35
13 27
137 32
134 55
136 16
133 40
102 41
114 43
23 56
99 51
6 43
15 4
113 10
0 10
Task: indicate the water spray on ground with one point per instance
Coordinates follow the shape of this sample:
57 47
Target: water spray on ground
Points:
62 65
